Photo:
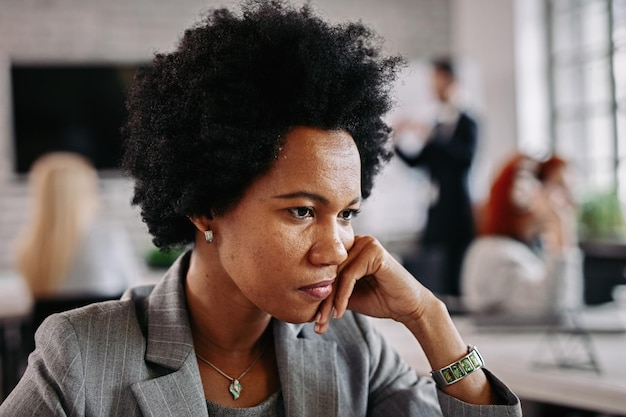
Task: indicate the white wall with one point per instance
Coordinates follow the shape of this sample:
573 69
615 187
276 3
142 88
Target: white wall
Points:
531 52
483 33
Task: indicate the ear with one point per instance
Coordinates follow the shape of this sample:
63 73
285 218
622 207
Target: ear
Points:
202 223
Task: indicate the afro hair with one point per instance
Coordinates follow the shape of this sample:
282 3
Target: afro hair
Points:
209 118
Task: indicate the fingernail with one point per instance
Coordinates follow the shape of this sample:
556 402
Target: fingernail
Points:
318 317
334 313
317 328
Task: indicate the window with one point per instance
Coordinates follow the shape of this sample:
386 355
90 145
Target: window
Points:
587 78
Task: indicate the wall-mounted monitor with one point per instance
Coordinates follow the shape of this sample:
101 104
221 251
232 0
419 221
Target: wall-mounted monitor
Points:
69 107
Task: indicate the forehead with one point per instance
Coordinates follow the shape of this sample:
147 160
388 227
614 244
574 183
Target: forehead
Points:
316 158
306 144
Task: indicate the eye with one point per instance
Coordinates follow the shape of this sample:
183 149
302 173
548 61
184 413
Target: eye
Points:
349 214
301 212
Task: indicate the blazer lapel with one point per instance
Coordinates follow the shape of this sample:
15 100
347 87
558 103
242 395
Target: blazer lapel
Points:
176 394
169 352
307 370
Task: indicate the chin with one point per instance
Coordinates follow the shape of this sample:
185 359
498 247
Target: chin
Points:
297 316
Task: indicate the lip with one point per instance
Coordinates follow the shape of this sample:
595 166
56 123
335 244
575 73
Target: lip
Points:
320 290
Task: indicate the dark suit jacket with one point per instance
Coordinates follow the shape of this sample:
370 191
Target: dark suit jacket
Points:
447 159
135 357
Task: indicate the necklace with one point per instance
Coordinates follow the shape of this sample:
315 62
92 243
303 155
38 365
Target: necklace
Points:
235 387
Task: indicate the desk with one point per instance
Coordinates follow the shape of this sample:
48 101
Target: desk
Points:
15 298
15 305
510 356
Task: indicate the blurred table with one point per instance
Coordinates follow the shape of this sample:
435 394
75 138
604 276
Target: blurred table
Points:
523 360
15 305
15 298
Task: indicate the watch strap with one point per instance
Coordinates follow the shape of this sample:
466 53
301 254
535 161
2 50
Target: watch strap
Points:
458 370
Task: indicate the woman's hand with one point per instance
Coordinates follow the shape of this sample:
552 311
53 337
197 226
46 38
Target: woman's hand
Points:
557 215
373 283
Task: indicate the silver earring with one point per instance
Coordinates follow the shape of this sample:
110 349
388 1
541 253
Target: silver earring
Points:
208 236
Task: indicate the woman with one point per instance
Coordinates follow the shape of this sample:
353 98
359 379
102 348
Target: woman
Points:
256 140
526 264
66 249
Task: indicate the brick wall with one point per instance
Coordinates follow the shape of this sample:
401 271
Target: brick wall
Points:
131 31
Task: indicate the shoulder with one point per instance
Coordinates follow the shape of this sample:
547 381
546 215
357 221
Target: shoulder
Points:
484 244
104 336
497 244
102 319
488 256
466 118
82 355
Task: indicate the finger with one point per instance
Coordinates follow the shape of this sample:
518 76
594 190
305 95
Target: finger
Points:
343 294
322 319
363 260
328 308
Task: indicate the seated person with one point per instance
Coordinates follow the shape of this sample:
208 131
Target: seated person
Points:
66 249
526 262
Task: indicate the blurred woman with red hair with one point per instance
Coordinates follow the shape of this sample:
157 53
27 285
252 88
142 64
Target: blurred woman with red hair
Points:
526 261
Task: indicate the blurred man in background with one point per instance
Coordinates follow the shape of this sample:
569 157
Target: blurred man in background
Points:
446 155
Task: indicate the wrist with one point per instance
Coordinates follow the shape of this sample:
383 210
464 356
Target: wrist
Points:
436 333
443 346
431 309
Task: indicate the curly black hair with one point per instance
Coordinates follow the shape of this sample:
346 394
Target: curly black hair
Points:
207 119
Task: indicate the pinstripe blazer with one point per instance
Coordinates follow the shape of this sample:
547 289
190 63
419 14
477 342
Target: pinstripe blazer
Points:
135 357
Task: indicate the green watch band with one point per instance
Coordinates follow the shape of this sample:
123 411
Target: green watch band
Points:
458 370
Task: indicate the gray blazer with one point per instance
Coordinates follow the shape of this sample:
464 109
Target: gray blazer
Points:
135 357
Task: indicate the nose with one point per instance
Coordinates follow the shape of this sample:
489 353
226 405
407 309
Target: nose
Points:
331 246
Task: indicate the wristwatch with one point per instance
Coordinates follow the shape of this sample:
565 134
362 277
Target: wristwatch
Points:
458 370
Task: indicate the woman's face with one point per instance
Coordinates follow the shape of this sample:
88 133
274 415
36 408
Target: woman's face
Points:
282 243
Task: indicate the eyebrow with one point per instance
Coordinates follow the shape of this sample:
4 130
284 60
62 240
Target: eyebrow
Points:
311 196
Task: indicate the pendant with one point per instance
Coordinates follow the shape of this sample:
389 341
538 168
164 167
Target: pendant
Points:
235 388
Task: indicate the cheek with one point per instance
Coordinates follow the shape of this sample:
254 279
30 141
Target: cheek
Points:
260 258
283 249
270 275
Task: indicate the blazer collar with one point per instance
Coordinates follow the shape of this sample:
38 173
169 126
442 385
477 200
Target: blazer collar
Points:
169 346
306 366
169 340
